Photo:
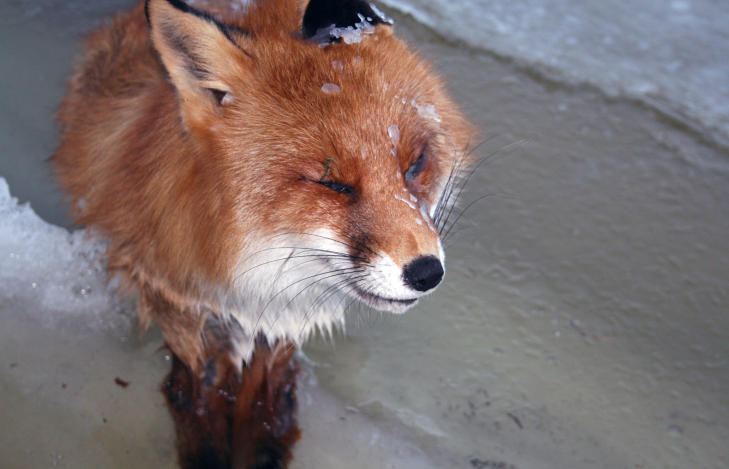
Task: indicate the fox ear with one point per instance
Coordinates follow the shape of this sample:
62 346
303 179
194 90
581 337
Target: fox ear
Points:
322 14
199 53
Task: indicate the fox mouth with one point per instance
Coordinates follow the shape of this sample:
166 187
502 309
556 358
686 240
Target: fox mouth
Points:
382 303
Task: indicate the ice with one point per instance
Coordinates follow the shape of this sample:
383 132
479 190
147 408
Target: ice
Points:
227 99
330 88
235 5
57 276
610 216
426 111
353 34
393 132
381 14
671 56
406 201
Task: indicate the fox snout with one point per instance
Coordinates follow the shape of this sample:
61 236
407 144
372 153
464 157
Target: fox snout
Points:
423 274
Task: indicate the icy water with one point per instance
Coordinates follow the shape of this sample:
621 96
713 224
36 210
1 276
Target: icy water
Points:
584 318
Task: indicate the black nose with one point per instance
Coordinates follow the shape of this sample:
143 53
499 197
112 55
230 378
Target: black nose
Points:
423 273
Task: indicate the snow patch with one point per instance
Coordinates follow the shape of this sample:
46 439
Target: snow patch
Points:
381 14
57 278
426 217
403 199
353 34
394 132
330 88
426 111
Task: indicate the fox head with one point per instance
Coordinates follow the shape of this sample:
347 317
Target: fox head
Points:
336 148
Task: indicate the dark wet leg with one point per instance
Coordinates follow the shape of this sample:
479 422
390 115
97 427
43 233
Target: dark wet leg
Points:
230 419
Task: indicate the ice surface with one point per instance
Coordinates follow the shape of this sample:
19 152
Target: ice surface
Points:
672 55
56 279
588 304
57 276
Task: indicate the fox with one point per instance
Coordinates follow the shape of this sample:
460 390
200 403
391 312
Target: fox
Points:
257 167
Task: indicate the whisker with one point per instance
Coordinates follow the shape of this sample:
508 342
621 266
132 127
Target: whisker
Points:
447 230
328 274
321 298
471 171
315 235
327 254
450 182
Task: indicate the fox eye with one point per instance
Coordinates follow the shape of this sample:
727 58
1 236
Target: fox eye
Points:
337 187
416 168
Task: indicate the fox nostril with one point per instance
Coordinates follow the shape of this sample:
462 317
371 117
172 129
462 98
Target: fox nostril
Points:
423 273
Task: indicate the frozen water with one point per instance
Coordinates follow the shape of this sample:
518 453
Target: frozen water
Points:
672 55
55 279
406 201
393 132
583 321
353 34
330 88
57 276
426 110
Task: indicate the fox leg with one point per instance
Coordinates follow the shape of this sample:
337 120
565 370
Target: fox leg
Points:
264 426
232 417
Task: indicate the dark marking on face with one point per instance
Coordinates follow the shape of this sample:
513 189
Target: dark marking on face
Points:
321 15
360 247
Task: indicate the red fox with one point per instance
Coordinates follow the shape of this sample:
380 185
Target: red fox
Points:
255 169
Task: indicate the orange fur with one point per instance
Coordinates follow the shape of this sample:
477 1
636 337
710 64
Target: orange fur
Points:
191 144
179 184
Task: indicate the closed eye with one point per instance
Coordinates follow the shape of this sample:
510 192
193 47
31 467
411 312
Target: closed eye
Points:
337 187
416 168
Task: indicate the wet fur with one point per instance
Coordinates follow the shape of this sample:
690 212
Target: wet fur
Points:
232 417
199 147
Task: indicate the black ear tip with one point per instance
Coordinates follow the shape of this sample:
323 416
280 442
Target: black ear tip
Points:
146 12
322 14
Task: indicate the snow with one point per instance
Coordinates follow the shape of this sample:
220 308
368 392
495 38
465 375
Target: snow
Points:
426 111
426 217
353 34
406 201
56 278
330 88
381 14
56 275
227 99
598 283
393 132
